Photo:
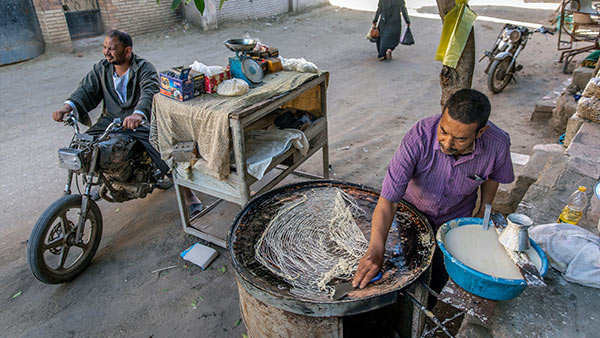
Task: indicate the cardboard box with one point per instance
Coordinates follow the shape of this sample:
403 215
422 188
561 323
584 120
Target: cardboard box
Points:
274 65
175 88
211 82
196 77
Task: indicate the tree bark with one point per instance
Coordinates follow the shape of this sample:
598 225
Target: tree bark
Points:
452 80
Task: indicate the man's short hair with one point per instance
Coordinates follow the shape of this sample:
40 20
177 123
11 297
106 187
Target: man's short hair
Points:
122 36
469 106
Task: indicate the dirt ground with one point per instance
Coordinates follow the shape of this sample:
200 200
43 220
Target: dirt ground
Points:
371 104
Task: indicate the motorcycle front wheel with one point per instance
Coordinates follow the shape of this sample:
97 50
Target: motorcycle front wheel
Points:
53 253
498 75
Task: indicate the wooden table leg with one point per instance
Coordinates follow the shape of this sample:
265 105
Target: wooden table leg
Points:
239 152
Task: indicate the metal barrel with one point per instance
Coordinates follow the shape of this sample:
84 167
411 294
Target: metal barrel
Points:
20 34
269 309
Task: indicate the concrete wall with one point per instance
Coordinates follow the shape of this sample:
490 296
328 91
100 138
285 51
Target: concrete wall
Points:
138 16
254 9
303 4
250 9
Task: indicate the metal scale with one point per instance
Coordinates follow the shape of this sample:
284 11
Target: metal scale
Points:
243 66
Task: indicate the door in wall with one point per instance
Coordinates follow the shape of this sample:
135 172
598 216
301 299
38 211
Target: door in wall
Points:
83 18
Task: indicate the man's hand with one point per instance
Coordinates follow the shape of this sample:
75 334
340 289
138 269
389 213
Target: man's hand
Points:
132 121
59 114
371 263
368 267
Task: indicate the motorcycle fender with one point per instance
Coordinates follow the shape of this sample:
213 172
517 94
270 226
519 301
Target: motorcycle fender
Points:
503 55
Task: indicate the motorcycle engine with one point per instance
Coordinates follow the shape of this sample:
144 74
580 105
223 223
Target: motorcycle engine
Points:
125 163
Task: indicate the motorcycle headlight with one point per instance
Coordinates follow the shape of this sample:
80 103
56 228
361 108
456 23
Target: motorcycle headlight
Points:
70 158
514 36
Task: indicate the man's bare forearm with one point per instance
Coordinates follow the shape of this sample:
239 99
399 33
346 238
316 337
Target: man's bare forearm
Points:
370 264
383 217
488 192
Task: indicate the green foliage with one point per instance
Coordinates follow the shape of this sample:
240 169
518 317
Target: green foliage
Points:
200 5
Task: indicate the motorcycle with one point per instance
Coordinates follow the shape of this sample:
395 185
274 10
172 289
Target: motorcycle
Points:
503 57
67 234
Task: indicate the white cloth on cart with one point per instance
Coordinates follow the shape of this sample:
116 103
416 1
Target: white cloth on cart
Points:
264 145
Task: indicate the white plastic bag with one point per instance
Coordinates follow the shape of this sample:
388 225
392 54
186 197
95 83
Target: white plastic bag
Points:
571 250
233 87
206 70
299 65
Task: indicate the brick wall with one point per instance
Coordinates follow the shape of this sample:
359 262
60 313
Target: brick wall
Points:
53 24
250 9
138 16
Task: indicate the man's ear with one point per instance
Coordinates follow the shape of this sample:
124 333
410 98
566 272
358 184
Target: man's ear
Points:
481 131
128 50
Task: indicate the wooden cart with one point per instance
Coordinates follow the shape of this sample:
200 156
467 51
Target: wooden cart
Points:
236 187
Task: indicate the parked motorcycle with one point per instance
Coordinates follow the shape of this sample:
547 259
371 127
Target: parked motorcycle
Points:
503 57
66 236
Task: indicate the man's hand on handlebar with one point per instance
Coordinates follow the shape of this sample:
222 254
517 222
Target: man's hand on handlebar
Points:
368 267
59 114
132 121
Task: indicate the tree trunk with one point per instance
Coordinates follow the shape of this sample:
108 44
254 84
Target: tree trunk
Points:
452 80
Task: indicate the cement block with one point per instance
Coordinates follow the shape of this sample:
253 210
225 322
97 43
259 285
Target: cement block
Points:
573 125
543 110
541 155
581 76
519 159
545 199
566 106
527 170
586 143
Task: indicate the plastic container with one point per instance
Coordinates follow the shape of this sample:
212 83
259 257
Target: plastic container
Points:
573 211
479 283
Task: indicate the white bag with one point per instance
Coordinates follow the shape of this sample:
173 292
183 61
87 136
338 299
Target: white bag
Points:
233 87
206 70
571 250
299 65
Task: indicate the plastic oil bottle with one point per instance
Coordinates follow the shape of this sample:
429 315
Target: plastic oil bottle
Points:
573 211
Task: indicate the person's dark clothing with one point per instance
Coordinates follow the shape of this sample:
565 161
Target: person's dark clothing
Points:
97 86
390 24
141 134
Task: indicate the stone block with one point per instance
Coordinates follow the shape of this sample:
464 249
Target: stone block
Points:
581 76
545 199
573 125
541 155
543 110
566 106
586 143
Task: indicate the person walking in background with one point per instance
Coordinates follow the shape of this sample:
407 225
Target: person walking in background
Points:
390 26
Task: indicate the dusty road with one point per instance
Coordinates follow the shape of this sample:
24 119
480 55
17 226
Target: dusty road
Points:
371 103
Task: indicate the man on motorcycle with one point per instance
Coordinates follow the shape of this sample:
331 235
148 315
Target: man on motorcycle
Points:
125 84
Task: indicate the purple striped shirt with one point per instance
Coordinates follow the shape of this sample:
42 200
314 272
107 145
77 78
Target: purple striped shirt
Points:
439 185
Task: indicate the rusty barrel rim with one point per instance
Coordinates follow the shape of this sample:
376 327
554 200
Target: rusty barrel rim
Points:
311 307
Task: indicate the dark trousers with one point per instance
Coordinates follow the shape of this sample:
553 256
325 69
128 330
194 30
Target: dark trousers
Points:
439 276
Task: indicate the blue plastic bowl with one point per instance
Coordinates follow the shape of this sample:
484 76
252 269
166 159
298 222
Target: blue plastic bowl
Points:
478 283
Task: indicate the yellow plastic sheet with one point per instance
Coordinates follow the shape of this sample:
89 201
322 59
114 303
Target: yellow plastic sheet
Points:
455 32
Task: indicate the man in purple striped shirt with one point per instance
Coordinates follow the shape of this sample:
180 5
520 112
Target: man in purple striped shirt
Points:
441 163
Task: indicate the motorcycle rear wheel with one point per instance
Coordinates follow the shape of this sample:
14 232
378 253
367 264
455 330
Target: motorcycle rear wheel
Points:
498 75
53 255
